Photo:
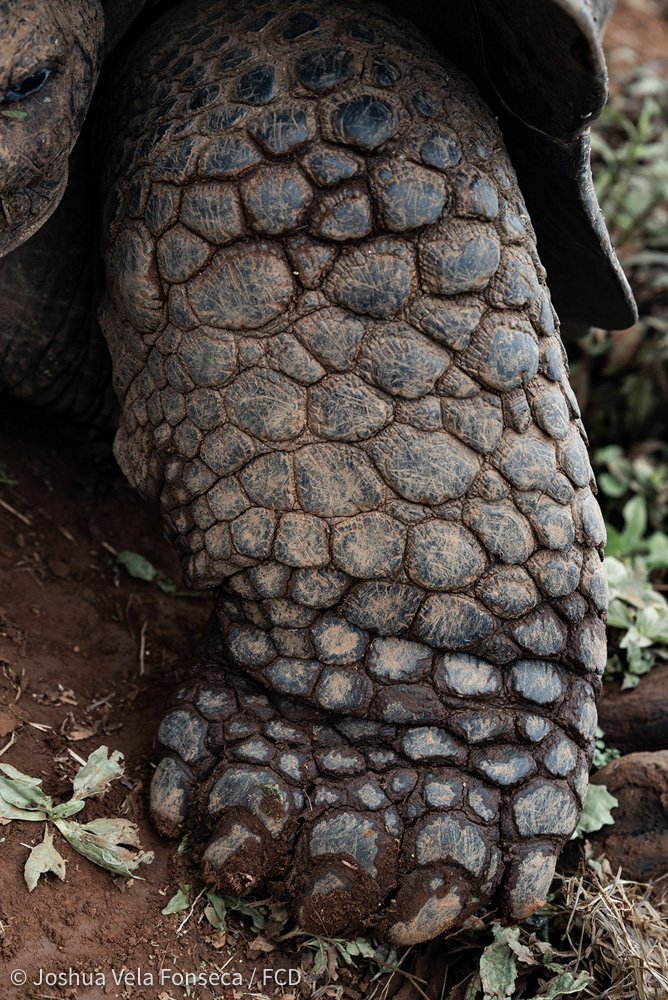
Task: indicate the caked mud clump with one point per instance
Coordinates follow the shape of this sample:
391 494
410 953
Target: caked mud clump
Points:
341 380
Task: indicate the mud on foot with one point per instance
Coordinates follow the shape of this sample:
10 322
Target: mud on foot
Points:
403 829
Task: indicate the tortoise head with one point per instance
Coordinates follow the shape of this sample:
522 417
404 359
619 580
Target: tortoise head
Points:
50 56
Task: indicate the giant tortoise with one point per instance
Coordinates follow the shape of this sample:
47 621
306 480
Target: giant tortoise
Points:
322 245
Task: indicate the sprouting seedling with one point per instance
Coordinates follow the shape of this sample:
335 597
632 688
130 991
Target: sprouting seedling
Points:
112 844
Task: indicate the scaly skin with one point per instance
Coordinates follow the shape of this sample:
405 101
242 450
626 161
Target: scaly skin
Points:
342 382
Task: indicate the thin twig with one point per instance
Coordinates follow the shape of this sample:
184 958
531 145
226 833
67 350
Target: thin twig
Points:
142 648
8 745
17 513
190 912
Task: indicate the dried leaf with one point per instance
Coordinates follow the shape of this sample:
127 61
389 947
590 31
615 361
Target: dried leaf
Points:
77 735
97 773
107 843
7 724
261 944
332 961
42 859
523 953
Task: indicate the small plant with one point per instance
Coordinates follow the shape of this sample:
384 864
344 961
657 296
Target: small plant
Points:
217 907
622 375
631 143
602 753
112 844
636 563
328 952
639 613
633 538
621 476
502 960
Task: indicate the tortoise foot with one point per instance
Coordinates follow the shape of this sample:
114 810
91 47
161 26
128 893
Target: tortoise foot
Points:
341 379
402 829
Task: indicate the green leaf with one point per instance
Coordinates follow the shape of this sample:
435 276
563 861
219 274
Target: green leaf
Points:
635 518
257 914
178 902
112 844
360 947
596 812
317 945
216 911
563 985
9 813
602 753
67 809
21 796
614 545
498 965
635 526
42 859
97 773
651 626
657 551
347 951
364 947
19 115
137 566
611 486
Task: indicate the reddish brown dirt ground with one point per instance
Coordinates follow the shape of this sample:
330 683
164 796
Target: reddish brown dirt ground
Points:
89 656
637 33
71 662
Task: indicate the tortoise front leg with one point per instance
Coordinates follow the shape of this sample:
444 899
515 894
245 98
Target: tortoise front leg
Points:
342 381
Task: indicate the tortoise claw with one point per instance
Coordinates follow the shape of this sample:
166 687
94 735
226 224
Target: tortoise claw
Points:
171 796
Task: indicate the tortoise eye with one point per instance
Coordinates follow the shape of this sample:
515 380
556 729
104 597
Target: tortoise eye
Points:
28 86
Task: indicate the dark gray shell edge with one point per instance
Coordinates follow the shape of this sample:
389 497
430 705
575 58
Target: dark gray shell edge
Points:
585 278
540 66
